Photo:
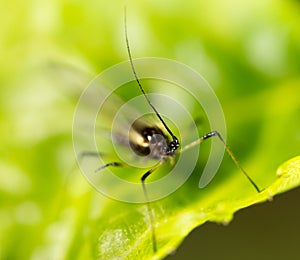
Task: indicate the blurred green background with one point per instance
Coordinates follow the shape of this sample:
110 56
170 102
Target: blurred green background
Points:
249 52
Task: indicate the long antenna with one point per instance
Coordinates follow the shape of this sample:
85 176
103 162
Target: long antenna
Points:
138 82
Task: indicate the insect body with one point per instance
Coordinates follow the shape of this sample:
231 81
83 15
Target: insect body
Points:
160 143
150 140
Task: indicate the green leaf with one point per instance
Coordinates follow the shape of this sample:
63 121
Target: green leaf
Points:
250 55
125 233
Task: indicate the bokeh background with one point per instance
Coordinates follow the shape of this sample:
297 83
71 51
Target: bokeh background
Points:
249 52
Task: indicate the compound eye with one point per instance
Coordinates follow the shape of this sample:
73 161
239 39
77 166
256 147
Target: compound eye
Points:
175 143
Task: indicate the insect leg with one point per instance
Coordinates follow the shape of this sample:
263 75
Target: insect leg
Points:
151 217
237 163
97 154
88 154
115 164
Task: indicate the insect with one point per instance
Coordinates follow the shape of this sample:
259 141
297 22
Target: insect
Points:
159 143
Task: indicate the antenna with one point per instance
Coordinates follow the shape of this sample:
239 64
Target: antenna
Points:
141 88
